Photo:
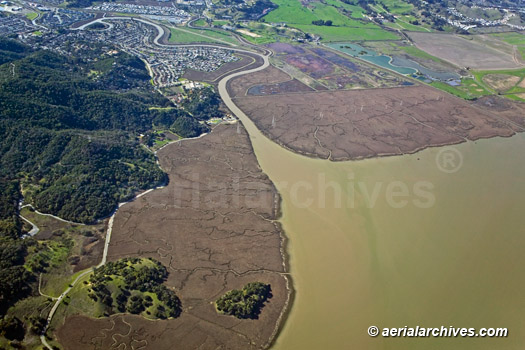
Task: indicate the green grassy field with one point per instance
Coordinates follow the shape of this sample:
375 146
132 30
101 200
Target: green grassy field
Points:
31 15
200 23
397 7
513 38
116 284
344 28
454 90
356 11
414 51
508 93
267 33
472 88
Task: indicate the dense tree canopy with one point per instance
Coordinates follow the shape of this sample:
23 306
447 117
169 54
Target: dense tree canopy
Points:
69 128
127 285
245 303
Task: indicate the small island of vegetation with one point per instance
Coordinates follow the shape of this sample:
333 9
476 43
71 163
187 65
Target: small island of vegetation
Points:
135 286
245 303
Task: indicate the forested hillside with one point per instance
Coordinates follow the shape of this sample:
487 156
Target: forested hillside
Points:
69 128
71 144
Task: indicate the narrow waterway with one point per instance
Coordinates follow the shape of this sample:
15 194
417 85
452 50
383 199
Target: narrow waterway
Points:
401 241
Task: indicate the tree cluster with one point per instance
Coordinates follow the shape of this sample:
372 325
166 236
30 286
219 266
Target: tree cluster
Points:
135 281
321 22
245 303
203 104
15 280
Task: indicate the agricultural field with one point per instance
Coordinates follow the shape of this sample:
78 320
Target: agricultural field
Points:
515 39
468 84
464 52
396 7
343 28
354 11
404 16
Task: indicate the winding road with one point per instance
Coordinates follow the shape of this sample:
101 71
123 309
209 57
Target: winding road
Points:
223 91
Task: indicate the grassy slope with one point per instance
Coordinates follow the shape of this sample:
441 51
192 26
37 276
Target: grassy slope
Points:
514 38
344 28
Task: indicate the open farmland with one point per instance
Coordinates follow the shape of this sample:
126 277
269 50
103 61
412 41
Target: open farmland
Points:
463 52
354 124
300 16
213 228
515 39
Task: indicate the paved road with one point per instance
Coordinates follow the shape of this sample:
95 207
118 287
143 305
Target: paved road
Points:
227 100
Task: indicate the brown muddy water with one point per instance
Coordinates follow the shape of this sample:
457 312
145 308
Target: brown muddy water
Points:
431 239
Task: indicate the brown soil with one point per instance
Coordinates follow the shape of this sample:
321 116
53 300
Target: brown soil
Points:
90 253
213 226
501 82
522 83
463 52
354 124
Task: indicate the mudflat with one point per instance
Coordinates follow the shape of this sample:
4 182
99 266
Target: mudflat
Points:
355 124
214 228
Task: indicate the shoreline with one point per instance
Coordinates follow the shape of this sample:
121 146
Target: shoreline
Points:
385 155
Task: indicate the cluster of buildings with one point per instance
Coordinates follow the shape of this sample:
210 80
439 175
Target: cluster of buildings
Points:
168 11
10 25
166 64
467 23
63 17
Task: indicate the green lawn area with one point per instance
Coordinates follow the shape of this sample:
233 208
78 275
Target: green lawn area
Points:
405 24
31 15
396 7
357 11
200 23
344 28
267 33
514 38
454 90
507 93
516 72
220 23
469 89
335 34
